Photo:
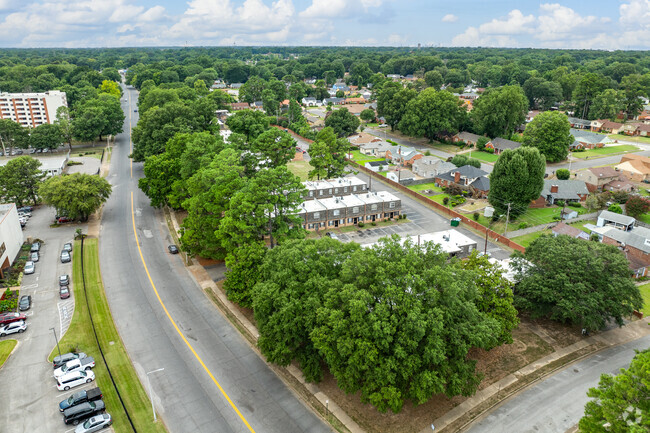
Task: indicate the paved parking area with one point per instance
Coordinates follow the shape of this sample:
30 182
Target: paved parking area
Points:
30 399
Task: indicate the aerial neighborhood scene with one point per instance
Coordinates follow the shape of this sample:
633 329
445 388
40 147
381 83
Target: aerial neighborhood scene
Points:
325 216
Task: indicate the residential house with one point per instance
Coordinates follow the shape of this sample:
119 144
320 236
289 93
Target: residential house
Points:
615 220
218 84
334 101
467 177
311 102
566 190
363 138
564 229
531 115
376 166
355 100
340 86
431 166
236 106
403 155
376 148
607 126
394 77
634 243
500 144
258 105
635 167
355 109
636 129
468 96
597 178
400 176
584 139
644 116
578 123
340 186
236 85
466 137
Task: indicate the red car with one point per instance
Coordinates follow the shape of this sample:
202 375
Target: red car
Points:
6 318
64 292
64 219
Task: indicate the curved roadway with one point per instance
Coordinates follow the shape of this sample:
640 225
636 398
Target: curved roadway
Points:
212 381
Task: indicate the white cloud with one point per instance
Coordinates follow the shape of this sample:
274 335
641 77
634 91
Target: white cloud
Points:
515 23
397 39
636 12
449 18
557 22
328 9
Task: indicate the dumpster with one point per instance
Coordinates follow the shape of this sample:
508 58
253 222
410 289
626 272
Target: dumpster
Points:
455 222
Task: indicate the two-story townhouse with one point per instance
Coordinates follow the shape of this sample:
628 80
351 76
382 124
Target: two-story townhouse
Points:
334 187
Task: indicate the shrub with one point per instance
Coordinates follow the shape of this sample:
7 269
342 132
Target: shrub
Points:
522 225
361 224
559 202
445 201
393 143
476 216
494 218
574 204
563 174
74 163
557 218
489 150
427 153
373 223
616 208
481 142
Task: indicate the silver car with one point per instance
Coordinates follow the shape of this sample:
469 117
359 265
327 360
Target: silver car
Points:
12 328
29 267
94 424
34 256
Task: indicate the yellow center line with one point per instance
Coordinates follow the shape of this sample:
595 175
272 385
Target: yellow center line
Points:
196 355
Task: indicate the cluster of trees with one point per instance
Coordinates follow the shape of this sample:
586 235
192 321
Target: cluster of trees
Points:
394 322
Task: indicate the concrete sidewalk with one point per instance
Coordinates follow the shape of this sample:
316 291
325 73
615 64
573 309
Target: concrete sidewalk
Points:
611 338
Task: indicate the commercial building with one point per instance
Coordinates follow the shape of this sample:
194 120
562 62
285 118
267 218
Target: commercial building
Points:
11 236
32 109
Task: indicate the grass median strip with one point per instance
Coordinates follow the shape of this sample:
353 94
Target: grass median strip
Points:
80 336
6 346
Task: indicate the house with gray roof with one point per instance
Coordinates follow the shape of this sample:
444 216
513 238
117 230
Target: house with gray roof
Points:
467 177
431 166
565 190
403 155
579 123
613 219
635 244
500 144
376 148
588 140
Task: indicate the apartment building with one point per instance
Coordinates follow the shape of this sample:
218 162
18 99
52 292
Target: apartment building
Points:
31 109
11 236
334 187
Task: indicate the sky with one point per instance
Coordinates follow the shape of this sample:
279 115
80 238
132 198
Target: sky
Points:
584 24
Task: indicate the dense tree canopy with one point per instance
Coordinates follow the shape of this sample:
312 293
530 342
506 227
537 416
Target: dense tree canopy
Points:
499 111
431 114
577 282
342 122
550 133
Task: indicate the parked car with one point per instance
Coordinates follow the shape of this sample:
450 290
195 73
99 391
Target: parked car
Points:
80 397
63 219
76 378
173 249
64 280
332 235
6 318
94 424
65 257
58 361
12 328
19 152
29 268
24 214
25 208
32 151
64 292
86 363
67 247
76 414
25 302
135 111
36 247
34 256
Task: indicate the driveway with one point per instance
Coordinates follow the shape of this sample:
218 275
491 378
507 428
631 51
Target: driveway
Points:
30 398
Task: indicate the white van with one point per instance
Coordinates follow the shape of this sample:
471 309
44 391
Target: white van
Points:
76 378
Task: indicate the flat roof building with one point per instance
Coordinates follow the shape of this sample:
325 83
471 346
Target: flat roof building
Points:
32 109
11 236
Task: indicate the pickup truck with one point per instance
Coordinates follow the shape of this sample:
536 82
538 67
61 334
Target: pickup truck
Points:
80 397
75 365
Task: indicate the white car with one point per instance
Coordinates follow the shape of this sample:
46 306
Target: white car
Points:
12 328
95 423
29 267
76 378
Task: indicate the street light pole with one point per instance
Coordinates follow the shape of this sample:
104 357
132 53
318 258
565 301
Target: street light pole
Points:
153 409
57 341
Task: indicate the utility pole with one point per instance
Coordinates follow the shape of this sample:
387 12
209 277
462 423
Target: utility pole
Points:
507 219
486 236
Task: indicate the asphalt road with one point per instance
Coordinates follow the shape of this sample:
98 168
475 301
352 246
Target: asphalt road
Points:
185 394
557 403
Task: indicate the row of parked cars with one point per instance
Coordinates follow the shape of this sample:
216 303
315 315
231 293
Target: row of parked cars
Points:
85 408
31 151
24 214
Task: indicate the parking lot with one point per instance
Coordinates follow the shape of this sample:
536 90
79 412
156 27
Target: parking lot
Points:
30 398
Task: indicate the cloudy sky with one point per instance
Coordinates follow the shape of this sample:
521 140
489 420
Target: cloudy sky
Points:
599 24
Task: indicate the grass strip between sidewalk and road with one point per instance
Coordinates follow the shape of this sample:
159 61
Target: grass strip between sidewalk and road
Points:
80 337
6 346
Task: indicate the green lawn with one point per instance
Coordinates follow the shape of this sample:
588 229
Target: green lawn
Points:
6 346
484 156
645 140
532 217
80 336
645 218
526 240
300 169
449 148
645 292
424 186
605 151
360 158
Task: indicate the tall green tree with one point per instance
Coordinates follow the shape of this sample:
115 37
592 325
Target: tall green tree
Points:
327 155
392 100
550 133
621 403
517 179
433 79
607 105
64 122
274 147
20 179
110 87
499 111
77 195
12 135
252 89
542 94
587 88
251 123
159 124
582 283
433 113
88 123
342 122
46 136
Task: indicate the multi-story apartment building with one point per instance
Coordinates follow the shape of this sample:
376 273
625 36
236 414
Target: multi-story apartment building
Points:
31 109
343 202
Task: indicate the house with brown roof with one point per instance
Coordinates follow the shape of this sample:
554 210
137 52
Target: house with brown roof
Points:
355 100
236 106
363 138
500 144
597 177
605 125
635 167
466 137
636 129
564 229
